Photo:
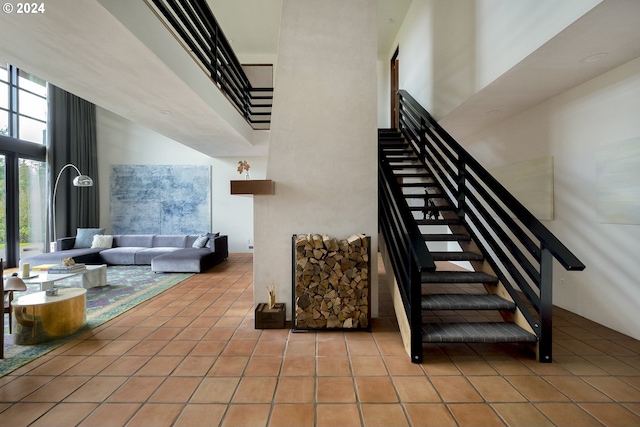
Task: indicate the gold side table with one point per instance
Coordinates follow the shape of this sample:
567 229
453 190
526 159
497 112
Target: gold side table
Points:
40 317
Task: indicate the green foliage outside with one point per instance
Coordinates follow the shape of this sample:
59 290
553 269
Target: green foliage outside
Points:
32 211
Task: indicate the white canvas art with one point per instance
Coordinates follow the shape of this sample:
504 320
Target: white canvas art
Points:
618 182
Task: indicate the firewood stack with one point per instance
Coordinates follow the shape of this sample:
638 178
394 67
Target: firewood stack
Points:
331 282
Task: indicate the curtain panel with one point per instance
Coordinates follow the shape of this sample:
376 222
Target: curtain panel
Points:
71 138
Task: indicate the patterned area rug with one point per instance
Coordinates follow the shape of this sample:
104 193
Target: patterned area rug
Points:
127 286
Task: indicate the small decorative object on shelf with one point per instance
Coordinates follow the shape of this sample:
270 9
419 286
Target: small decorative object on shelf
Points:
52 292
271 290
244 166
68 262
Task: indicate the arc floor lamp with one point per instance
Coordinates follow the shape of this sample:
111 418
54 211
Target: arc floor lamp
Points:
79 181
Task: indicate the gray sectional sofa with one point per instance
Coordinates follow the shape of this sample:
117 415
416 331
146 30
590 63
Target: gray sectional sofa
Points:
165 253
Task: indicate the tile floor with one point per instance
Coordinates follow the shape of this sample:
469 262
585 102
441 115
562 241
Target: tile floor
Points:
191 357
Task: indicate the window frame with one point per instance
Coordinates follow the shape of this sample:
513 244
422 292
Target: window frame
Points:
15 149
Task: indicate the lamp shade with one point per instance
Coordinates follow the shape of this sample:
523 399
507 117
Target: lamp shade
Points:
83 181
14 283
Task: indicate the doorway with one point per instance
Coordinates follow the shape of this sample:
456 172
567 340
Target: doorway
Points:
395 86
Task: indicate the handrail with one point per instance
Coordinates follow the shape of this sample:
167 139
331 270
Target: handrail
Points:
517 246
566 258
193 23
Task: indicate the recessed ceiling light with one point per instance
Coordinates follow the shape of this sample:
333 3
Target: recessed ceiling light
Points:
389 20
593 58
165 112
494 112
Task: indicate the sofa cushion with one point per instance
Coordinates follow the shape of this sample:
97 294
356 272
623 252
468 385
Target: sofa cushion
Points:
188 260
84 237
133 240
125 255
169 241
80 256
145 256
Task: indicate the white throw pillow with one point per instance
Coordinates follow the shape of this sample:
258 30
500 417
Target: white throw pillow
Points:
200 241
100 241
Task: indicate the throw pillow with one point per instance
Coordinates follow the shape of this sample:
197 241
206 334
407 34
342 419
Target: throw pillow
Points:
84 237
100 241
200 241
211 236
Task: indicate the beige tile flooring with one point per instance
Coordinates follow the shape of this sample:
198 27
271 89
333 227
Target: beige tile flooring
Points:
191 357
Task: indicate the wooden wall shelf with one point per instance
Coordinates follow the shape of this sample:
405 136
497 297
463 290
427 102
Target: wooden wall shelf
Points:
253 186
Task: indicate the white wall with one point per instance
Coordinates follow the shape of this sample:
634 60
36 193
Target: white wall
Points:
572 128
122 142
448 51
323 149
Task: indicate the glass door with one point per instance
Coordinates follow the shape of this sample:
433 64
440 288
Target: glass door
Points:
32 207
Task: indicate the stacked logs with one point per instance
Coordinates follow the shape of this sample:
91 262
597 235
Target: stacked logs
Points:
331 282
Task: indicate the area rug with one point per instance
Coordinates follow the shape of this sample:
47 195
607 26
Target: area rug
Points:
127 286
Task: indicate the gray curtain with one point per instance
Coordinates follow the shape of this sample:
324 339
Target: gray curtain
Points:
71 138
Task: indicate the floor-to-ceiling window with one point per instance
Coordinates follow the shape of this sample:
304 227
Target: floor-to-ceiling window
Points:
23 123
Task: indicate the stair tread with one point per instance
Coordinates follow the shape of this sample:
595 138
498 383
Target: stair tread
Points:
434 208
398 150
420 184
425 196
412 174
488 332
439 221
457 277
465 302
457 256
446 237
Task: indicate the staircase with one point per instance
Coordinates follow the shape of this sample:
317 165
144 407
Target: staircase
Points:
471 263
441 223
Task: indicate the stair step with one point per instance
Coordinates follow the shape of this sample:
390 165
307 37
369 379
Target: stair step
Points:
401 155
454 237
392 143
425 196
457 277
433 208
439 221
419 184
456 256
487 332
465 302
412 175
407 166
398 150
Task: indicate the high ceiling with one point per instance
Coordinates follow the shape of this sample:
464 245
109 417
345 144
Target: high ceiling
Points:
253 25
118 55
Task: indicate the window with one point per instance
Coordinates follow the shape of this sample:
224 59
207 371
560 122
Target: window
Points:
3 213
23 123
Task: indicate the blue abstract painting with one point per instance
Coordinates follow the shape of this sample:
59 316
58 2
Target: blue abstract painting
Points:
160 199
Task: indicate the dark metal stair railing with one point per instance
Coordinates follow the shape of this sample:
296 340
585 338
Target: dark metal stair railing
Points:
195 26
407 250
515 243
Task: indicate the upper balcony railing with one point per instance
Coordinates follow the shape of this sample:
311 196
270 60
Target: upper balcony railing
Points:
194 25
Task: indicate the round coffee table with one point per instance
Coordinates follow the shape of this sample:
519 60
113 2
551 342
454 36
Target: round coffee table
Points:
41 318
